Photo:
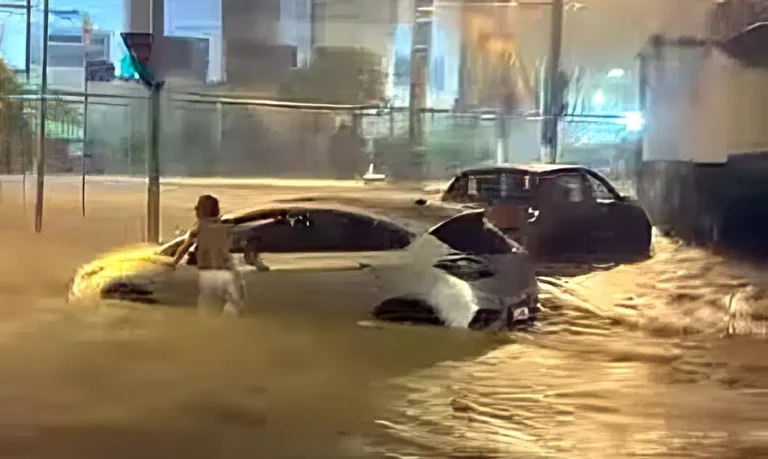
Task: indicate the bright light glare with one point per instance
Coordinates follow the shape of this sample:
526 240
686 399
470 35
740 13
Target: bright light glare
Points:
598 98
616 73
634 121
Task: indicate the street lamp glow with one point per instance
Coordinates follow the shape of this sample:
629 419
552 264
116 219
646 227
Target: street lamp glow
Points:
616 73
598 98
634 121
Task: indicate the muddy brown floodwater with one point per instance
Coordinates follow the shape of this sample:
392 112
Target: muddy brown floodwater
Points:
660 359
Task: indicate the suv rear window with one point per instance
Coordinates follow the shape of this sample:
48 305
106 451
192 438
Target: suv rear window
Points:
489 187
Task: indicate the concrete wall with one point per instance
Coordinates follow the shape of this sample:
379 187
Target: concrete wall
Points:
748 116
706 144
704 106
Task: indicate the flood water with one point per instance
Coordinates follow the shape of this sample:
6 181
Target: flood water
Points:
662 359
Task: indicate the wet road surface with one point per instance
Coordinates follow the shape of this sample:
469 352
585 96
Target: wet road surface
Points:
660 359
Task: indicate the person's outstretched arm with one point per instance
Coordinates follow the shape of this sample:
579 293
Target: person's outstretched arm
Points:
189 241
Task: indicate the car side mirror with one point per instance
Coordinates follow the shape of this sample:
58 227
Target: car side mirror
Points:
421 202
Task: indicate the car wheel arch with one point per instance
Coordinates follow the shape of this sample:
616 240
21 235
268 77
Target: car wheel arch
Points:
407 309
127 290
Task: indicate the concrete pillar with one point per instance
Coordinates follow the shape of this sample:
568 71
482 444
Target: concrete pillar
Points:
144 16
218 130
157 19
137 16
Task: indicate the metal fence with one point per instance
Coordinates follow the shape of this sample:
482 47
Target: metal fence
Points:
219 137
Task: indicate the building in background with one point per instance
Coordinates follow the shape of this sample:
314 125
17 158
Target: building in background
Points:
494 71
65 22
705 155
201 21
263 41
67 50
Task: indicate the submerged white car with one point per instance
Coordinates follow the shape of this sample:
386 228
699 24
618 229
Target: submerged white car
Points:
462 273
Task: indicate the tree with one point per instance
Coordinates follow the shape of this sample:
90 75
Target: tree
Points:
12 122
17 128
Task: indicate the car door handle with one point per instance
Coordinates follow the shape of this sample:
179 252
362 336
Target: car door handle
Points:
364 265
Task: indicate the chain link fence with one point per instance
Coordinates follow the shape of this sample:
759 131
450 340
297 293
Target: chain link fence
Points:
230 138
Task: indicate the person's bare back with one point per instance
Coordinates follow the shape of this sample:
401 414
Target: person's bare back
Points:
213 244
220 288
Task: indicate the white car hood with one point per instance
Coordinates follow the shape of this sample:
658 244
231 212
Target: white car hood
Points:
456 300
141 261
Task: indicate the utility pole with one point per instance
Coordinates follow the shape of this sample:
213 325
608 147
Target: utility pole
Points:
553 102
87 33
153 166
85 154
41 156
420 45
143 59
28 43
157 22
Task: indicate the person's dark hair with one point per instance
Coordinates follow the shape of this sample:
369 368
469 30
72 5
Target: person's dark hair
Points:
207 206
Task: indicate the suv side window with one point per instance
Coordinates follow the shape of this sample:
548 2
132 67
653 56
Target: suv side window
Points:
599 190
574 187
485 187
458 189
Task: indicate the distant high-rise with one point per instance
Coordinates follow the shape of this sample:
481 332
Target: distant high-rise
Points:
264 39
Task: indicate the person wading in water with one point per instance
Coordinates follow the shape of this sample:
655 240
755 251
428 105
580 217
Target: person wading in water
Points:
221 289
346 153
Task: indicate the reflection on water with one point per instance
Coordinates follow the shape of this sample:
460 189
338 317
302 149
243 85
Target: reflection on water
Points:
661 359
273 386
628 363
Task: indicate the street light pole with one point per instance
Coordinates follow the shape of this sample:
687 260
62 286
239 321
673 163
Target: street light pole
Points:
139 46
421 38
86 31
153 167
552 102
157 27
41 156
84 155
28 44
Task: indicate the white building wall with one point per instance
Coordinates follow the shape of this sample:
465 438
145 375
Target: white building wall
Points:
709 127
748 110
704 106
